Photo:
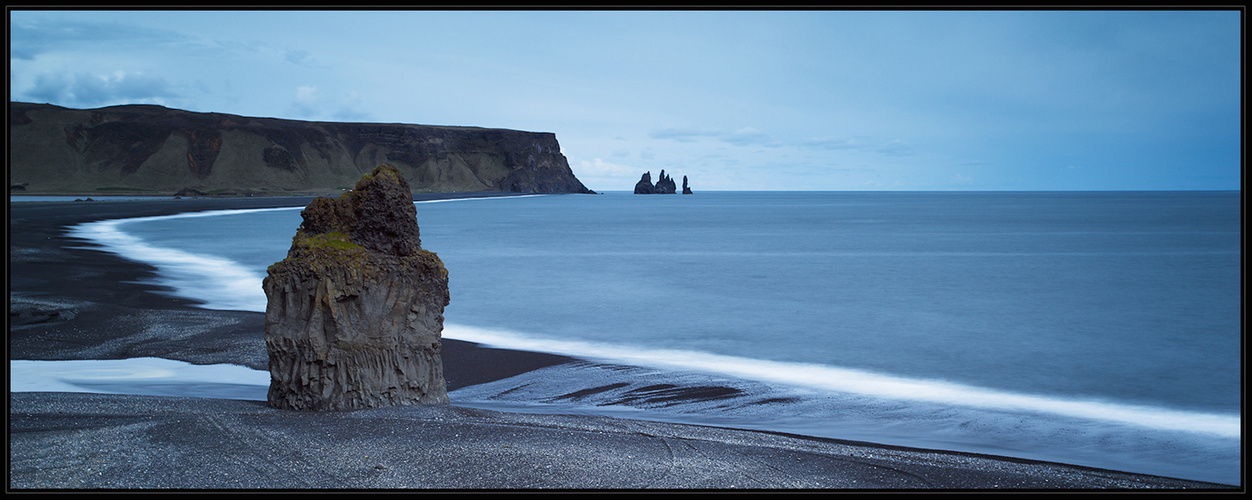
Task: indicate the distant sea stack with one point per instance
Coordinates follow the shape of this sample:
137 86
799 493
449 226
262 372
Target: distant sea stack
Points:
644 186
686 189
148 149
355 312
664 184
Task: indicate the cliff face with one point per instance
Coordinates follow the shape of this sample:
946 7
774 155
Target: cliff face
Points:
355 312
146 149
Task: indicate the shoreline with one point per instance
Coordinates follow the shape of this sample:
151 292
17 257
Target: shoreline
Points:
68 301
113 294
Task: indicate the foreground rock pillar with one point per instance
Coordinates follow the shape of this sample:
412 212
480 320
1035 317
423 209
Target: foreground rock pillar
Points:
355 312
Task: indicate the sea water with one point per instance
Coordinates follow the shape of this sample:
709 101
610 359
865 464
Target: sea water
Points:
1101 329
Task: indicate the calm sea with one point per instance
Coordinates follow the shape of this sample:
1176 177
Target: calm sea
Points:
1102 329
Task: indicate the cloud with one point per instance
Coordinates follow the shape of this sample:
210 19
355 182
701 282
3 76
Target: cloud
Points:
682 134
746 136
298 57
310 103
597 167
89 91
30 38
829 143
602 175
896 148
350 107
306 93
307 102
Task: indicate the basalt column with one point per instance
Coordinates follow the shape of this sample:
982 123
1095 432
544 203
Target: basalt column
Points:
355 312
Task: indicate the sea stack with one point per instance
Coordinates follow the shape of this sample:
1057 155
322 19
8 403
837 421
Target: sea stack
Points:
686 190
644 186
664 184
355 312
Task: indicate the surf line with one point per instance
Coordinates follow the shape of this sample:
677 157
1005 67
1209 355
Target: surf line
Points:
851 381
211 281
241 290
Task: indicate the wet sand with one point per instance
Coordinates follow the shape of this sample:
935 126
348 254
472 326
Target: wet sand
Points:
69 301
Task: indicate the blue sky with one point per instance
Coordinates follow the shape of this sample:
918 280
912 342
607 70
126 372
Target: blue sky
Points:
735 100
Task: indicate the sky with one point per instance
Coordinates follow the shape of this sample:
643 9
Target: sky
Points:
734 100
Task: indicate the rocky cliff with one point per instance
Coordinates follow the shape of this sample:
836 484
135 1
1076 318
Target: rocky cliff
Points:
355 312
147 149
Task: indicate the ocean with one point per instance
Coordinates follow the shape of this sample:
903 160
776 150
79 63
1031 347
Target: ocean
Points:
1093 328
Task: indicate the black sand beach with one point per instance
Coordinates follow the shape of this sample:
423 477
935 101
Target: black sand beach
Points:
68 301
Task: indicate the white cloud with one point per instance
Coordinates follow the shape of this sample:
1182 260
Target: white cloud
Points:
351 108
33 38
597 167
86 90
896 148
683 134
306 93
601 175
833 143
307 103
310 103
746 136
298 57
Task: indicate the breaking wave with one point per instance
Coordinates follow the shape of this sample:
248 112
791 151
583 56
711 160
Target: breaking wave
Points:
215 282
848 381
220 283
700 387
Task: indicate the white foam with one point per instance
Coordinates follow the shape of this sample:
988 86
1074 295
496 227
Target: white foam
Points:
150 376
218 282
229 285
849 381
643 393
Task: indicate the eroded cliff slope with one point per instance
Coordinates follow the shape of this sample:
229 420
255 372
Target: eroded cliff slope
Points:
148 149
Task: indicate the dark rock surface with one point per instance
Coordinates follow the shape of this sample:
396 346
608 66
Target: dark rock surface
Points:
355 312
644 186
664 184
686 189
150 149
